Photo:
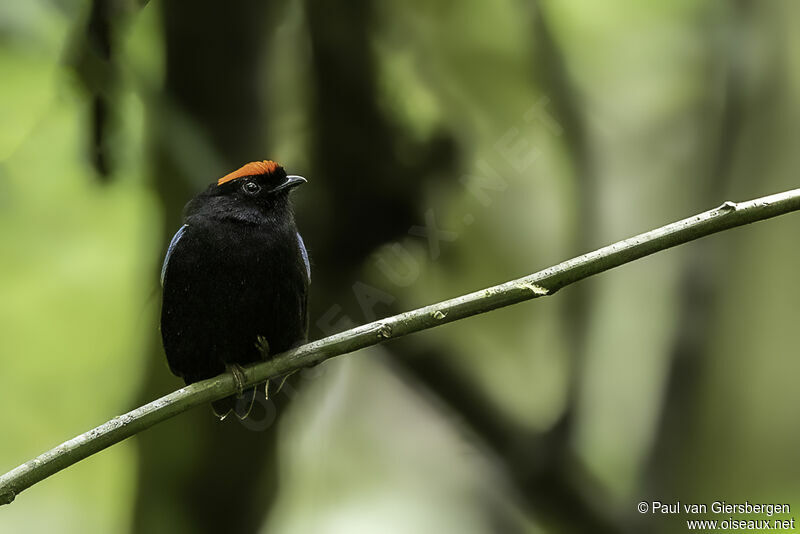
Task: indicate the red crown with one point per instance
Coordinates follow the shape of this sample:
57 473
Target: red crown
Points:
254 168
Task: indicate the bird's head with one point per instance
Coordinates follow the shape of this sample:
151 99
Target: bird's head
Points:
251 193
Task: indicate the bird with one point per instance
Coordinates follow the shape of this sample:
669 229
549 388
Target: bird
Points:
235 280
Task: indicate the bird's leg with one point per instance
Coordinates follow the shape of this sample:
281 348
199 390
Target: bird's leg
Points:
263 347
238 377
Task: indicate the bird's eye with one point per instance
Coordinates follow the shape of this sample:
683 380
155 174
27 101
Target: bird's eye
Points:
251 188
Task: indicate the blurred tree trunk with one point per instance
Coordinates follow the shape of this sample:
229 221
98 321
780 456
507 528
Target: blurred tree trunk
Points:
92 53
197 474
701 277
355 155
549 480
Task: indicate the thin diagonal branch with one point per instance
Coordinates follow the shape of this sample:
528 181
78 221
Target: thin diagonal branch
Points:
542 283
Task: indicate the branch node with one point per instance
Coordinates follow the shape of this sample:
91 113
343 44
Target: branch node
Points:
728 206
536 289
438 315
385 331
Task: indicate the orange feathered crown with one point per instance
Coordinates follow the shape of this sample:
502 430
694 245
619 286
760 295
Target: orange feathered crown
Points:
254 168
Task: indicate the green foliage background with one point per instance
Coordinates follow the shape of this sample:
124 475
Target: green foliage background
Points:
671 378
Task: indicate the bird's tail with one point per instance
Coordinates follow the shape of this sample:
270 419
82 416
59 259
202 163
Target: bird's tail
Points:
241 406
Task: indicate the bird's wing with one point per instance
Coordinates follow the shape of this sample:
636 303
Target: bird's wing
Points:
304 299
172 244
304 252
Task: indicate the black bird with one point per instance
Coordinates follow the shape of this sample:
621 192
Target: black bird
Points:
235 280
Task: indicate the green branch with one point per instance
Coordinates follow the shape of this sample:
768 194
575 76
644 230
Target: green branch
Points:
539 284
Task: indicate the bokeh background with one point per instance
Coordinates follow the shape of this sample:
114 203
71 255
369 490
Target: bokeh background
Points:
448 146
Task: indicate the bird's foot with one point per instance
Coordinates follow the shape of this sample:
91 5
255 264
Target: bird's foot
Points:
239 377
263 347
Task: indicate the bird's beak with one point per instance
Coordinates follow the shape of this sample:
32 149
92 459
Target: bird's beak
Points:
291 181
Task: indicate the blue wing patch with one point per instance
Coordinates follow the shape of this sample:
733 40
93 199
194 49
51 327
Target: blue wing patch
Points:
172 244
304 252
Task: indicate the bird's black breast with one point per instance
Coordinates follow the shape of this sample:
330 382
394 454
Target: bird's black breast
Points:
225 284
